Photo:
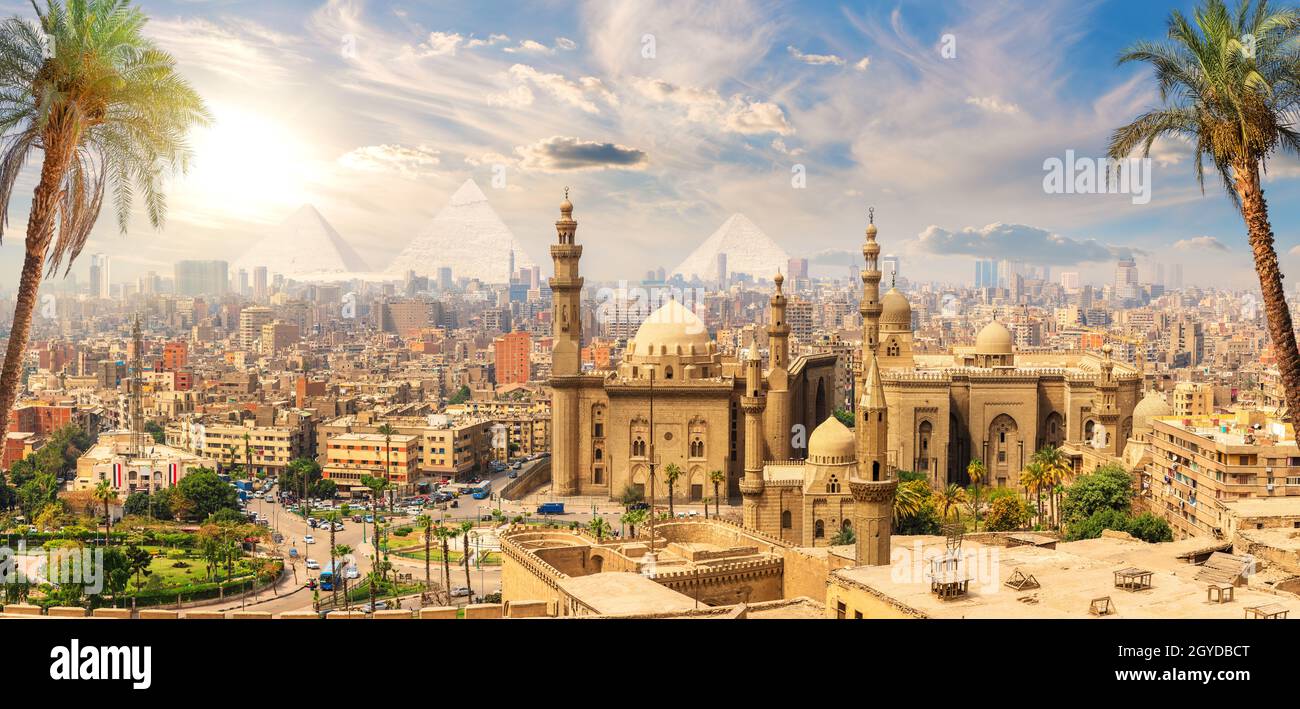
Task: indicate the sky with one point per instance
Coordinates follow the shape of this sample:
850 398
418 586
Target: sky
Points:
664 118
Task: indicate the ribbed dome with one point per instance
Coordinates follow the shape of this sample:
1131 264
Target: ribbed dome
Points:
994 339
831 443
668 328
895 309
1151 406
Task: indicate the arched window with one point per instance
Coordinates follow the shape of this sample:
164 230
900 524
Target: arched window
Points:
819 530
600 454
786 521
668 372
833 485
875 470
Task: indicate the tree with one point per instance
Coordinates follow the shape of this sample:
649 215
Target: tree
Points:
138 560
465 529
631 495
1008 513
1094 524
598 528
108 112
1055 469
107 495
154 429
377 486
445 535
717 477
976 471
843 537
388 432
300 476
1150 528
632 518
671 474
206 493
461 395
342 551
949 500
1109 487
845 417
137 503
1230 85
910 497
1034 476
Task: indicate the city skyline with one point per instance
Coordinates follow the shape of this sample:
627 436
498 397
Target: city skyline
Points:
660 149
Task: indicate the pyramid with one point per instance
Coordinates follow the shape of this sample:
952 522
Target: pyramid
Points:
748 250
304 247
467 236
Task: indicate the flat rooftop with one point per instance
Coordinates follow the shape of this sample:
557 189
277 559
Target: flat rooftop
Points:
621 593
1287 506
1069 576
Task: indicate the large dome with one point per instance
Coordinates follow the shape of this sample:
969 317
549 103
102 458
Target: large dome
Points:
831 443
895 310
994 339
672 329
1151 406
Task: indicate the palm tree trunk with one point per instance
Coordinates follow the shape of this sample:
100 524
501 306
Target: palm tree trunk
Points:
467 583
40 231
1254 210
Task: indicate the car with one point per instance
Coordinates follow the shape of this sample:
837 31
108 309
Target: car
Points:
313 564
513 474
270 499
357 518
338 526
369 519
311 522
293 553
309 539
376 606
351 573
459 592
639 506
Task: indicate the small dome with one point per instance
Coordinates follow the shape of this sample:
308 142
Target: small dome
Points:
1151 406
895 310
994 339
831 443
671 326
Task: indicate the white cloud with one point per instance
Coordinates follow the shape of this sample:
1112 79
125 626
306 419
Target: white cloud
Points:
779 145
403 160
529 46
582 93
440 44
739 114
1200 243
993 105
566 44
815 59
862 64
475 42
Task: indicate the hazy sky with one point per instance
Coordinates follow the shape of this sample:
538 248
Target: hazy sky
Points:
666 117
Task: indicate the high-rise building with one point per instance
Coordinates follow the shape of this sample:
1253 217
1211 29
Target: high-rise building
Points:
798 268
444 278
202 277
722 271
986 273
513 357
243 283
891 267
1176 277
251 321
260 291
1070 280
1126 279
99 277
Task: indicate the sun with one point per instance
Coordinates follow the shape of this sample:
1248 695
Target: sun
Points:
248 165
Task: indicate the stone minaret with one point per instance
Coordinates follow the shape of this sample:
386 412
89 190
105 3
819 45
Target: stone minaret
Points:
874 485
566 355
776 420
752 403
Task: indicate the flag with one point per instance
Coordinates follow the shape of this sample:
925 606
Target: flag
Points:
117 475
173 472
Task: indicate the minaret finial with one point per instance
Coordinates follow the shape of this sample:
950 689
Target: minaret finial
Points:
871 215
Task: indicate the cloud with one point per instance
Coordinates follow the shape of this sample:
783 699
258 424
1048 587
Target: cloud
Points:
1020 243
488 158
529 46
1200 242
815 59
836 257
581 93
405 161
780 146
993 105
475 42
862 64
559 153
440 44
566 44
739 114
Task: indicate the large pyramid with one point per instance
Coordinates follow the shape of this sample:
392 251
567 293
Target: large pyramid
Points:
748 250
467 236
304 247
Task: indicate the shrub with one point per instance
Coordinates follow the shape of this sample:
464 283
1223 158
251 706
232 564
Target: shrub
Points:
1150 528
1096 523
1007 513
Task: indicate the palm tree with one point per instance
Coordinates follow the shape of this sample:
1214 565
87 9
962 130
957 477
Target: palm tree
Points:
1055 468
445 535
465 529
428 538
248 458
598 528
105 493
632 518
388 432
909 498
1035 475
342 551
1230 84
976 471
671 474
950 498
717 477
108 112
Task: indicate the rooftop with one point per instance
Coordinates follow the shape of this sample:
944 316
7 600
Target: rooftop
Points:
625 594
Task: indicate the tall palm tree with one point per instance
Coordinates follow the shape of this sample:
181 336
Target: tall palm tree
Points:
909 498
106 494
387 431
1230 84
108 112
950 499
976 471
671 474
342 551
717 477
464 529
1035 476
632 518
445 535
1055 468
428 539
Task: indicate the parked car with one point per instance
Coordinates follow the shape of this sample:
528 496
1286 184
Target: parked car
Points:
459 592
352 573
338 526
357 518
513 474
313 564
309 539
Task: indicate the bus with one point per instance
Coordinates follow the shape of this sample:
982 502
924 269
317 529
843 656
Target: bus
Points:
327 576
481 491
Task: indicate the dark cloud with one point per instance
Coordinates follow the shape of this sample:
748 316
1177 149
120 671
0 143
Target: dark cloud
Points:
563 153
1020 243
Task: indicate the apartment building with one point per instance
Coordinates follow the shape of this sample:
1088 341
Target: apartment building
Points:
267 450
1199 464
349 457
447 446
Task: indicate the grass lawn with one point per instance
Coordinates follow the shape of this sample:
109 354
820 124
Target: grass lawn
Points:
194 570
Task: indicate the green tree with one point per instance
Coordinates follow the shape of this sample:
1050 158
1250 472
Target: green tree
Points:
1056 467
672 474
137 503
845 417
1108 487
1008 513
465 529
1230 86
1094 524
976 471
205 493
632 518
107 495
1034 476
461 396
154 429
843 537
949 499
387 431
109 114
1150 528
717 477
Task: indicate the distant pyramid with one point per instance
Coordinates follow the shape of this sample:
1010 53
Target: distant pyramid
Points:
466 236
748 250
304 247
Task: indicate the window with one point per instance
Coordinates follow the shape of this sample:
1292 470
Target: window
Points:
786 522
833 485
668 372
819 530
840 611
